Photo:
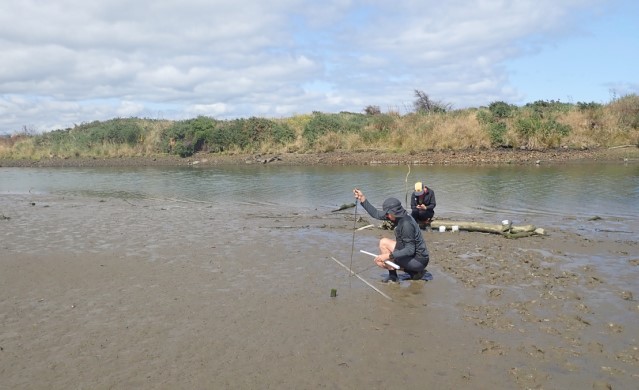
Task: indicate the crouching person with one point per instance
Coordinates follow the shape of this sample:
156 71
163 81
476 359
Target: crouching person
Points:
408 250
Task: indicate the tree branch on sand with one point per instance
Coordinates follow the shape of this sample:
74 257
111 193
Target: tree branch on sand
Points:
507 230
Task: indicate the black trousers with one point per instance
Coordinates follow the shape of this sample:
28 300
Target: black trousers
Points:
422 215
411 265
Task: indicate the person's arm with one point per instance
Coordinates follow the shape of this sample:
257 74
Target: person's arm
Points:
370 209
431 199
413 202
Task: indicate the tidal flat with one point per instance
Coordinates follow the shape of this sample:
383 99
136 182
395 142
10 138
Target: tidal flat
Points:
156 293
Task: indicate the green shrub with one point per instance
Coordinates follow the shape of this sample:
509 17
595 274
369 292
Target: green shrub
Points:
528 126
96 133
185 138
494 121
281 133
534 125
249 133
319 125
548 107
501 109
538 121
344 122
225 134
52 138
484 117
116 131
592 106
497 132
261 130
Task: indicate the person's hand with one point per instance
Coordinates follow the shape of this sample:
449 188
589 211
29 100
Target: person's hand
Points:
421 206
381 261
359 195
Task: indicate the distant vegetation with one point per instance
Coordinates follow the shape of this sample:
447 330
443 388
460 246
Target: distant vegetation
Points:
432 125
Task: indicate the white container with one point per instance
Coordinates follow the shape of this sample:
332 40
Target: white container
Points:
455 228
442 229
505 222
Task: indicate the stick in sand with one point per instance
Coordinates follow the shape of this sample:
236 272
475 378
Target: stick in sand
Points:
362 279
388 262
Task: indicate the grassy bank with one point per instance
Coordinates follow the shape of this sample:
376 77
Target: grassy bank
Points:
538 125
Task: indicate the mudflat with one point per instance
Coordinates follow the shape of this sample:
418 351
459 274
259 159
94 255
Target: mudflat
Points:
157 294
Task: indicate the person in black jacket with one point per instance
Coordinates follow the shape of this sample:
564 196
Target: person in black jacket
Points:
408 250
422 204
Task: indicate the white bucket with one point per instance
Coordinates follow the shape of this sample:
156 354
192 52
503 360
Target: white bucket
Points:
442 229
455 228
505 222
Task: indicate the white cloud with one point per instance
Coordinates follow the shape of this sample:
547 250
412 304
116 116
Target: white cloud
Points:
215 109
71 61
129 109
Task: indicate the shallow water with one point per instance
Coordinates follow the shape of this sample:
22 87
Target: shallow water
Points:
556 198
549 196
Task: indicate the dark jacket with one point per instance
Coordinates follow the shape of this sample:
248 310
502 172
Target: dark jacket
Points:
428 198
410 242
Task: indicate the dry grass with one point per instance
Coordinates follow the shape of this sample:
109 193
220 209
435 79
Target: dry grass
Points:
328 143
454 131
599 126
588 130
154 130
597 129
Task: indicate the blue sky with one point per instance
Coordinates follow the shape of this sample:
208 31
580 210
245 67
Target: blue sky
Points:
66 62
596 61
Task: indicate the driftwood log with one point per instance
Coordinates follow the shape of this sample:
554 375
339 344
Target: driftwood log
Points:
507 230
344 207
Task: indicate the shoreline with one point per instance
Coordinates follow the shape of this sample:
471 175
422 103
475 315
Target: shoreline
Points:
628 154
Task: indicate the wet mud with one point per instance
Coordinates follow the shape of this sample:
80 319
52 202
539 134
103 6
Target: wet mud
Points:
152 293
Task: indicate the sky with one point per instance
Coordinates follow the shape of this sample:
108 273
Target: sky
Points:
68 62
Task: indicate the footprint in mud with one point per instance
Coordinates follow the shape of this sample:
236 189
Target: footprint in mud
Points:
626 296
491 348
614 328
495 292
529 378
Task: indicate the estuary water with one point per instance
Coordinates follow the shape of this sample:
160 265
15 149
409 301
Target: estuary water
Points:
558 196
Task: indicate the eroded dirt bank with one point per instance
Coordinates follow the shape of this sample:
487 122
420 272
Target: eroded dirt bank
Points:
474 157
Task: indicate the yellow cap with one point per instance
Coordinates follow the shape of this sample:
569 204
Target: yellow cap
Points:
418 186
